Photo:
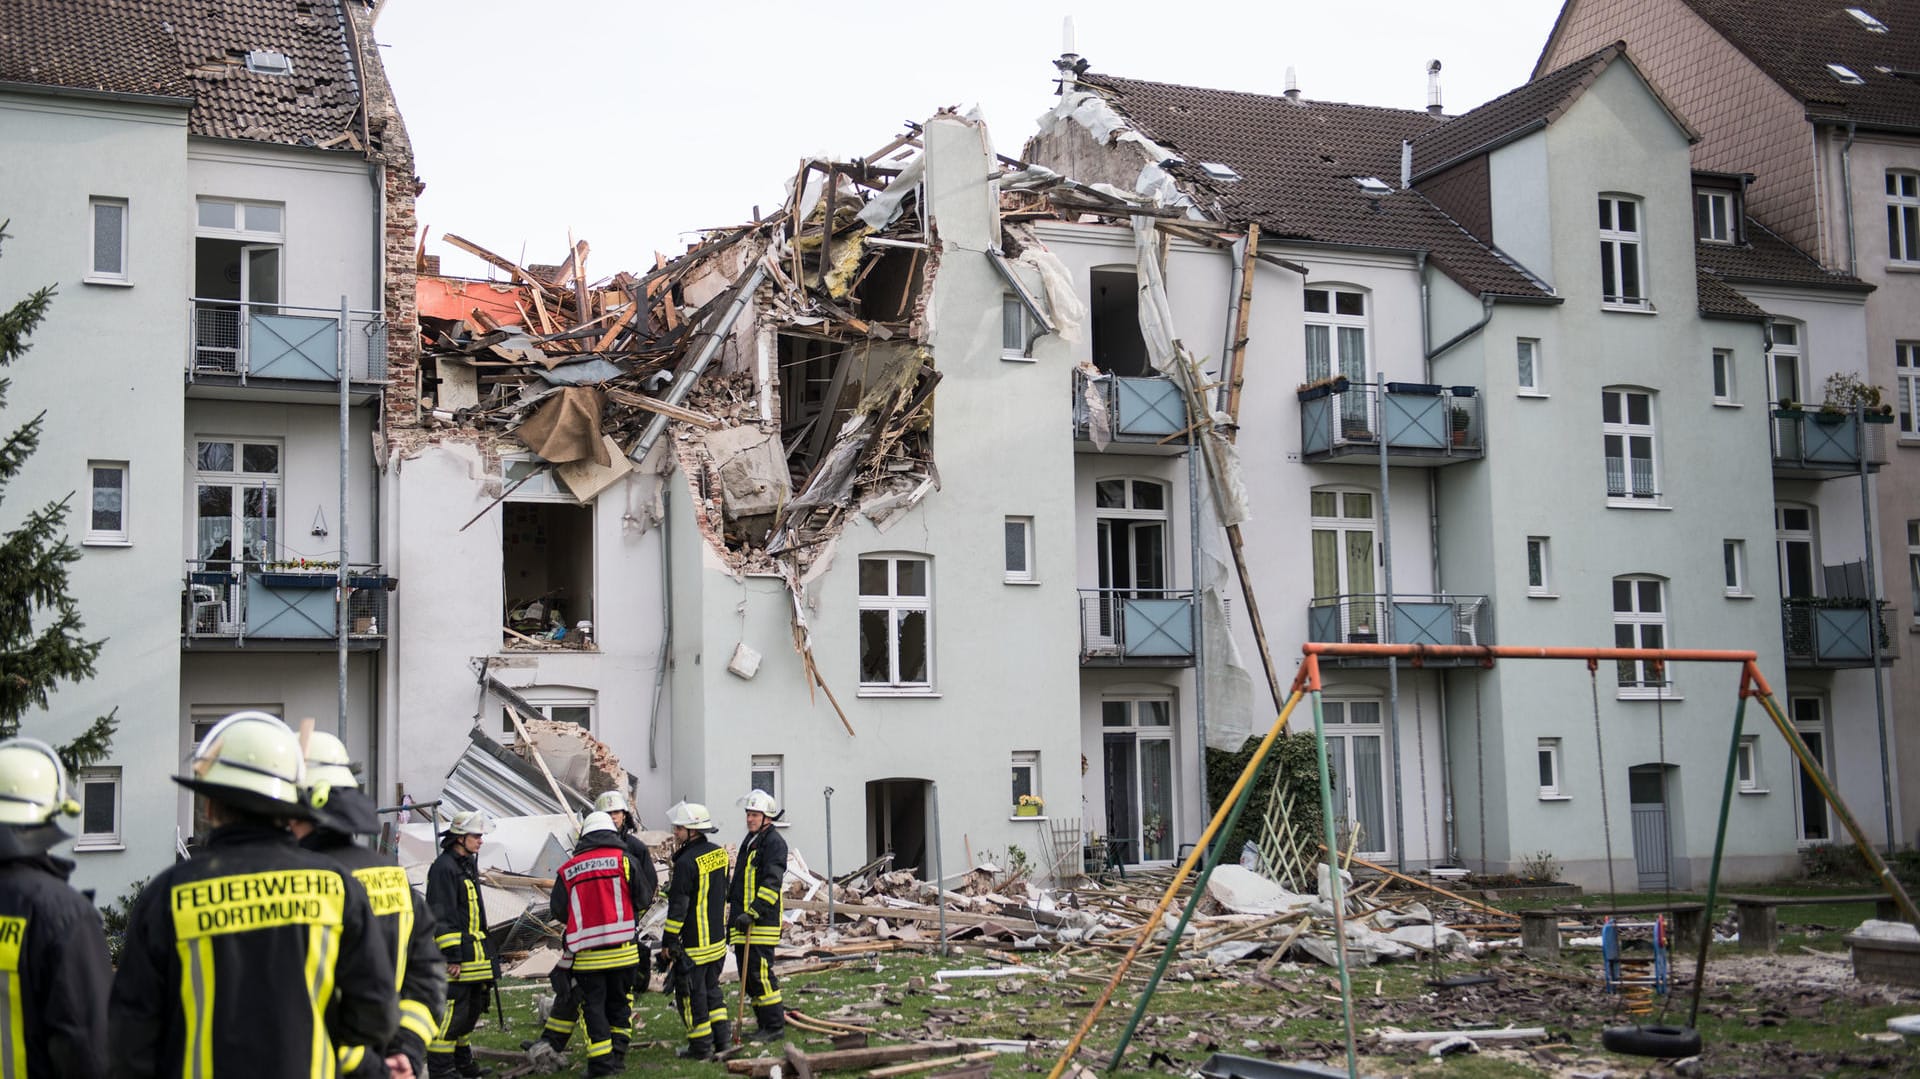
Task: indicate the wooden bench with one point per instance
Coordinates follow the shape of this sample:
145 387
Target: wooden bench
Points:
1540 929
1758 915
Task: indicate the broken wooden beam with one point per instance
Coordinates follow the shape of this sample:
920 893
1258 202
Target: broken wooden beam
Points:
929 1065
806 1065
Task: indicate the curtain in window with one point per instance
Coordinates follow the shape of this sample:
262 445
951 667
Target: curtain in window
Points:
1319 353
1369 803
1326 563
1353 364
1360 562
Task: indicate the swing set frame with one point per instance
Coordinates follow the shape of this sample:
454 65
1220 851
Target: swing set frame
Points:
1211 846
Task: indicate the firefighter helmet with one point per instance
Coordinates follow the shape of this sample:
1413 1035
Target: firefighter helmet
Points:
759 801
692 816
596 822
470 822
327 762
612 800
33 783
251 761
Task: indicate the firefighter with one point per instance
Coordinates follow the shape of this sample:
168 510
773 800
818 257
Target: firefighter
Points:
460 931
340 812
754 905
694 942
233 958
597 896
53 951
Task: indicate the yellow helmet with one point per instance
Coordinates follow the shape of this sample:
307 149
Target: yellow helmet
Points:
327 762
250 759
33 783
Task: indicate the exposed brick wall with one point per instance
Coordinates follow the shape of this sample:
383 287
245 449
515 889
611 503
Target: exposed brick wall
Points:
1747 123
394 150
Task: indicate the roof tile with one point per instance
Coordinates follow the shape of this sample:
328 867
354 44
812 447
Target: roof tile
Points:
1795 40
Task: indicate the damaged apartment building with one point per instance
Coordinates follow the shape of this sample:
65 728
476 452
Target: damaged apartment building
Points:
867 497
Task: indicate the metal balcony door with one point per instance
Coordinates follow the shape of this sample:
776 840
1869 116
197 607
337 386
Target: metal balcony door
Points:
1652 852
1799 559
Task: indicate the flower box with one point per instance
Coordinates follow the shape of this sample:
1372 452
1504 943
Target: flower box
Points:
1026 811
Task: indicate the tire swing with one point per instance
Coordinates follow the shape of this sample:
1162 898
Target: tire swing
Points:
1659 1040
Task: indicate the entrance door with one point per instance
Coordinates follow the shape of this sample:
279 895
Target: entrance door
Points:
897 823
1814 815
1137 757
1647 793
1343 562
1355 752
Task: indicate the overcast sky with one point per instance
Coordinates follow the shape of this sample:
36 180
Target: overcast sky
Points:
636 124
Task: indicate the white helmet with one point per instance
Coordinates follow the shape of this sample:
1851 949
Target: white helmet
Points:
33 783
692 816
471 822
252 760
327 762
596 822
612 800
759 801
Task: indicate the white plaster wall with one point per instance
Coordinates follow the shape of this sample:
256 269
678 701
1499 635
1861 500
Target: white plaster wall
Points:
331 219
449 611
309 437
106 368
1522 226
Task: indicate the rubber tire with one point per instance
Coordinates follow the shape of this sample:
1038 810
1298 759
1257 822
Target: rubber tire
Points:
1654 1041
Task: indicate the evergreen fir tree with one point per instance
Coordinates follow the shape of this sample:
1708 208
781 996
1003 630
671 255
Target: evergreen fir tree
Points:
40 641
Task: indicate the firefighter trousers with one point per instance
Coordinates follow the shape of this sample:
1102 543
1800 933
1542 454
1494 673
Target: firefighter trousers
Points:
763 989
603 1004
696 993
450 1054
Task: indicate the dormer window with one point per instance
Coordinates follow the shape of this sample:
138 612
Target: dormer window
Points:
1713 216
1865 18
1846 74
1373 185
268 62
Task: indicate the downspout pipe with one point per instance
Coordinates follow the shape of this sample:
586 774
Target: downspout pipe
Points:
684 384
1846 198
1441 681
666 624
1236 257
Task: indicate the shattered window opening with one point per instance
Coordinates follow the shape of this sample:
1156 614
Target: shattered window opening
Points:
546 559
895 623
562 704
1118 347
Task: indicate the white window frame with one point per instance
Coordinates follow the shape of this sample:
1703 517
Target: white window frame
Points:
1725 390
1913 567
545 699
1747 766
544 487
1628 432
1332 321
1014 317
109 776
1713 216
122 275
1903 217
1547 752
1028 761
774 764
1733 558
109 537
1542 547
1640 624
1621 248
1527 367
237 229
1906 388
898 606
1025 574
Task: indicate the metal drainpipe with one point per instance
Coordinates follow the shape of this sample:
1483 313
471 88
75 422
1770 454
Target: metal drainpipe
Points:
1873 619
1236 254
1386 625
666 618
1846 201
1198 621
342 575
1441 681
684 384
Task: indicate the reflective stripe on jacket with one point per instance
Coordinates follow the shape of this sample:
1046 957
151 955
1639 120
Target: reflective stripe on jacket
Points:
53 973
697 902
756 886
459 915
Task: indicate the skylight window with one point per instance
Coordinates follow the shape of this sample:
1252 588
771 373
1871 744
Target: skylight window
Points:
1373 185
1867 20
1216 171
1846 74
268 62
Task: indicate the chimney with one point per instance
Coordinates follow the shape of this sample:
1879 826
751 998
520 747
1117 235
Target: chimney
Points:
1293 86
1433 88
1406 164
1069 64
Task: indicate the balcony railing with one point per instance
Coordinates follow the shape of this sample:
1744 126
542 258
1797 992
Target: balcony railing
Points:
1417 619
1420 423
290 344
1826 443
1135 410
1136 627
1830 632
238 602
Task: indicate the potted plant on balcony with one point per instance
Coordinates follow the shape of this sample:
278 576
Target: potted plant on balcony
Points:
1846 391
1322 387
1029 805
1462 423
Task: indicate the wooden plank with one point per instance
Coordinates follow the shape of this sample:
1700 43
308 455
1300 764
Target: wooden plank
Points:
929 1065
520 273
653 404
619 324
552 783
806 1064
1237 371
1435 888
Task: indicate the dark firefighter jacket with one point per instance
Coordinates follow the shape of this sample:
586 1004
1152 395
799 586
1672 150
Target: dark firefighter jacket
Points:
756 886
53 964
459 916
643 862
406 931
232 960
697 902
625 954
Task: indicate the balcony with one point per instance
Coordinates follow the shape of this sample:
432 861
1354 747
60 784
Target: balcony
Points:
1832 633
1137 415
1815 445
1424 425
1136 628
278 352
244 605
1417 619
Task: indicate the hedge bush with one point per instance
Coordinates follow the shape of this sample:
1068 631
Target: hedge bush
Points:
1292 762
